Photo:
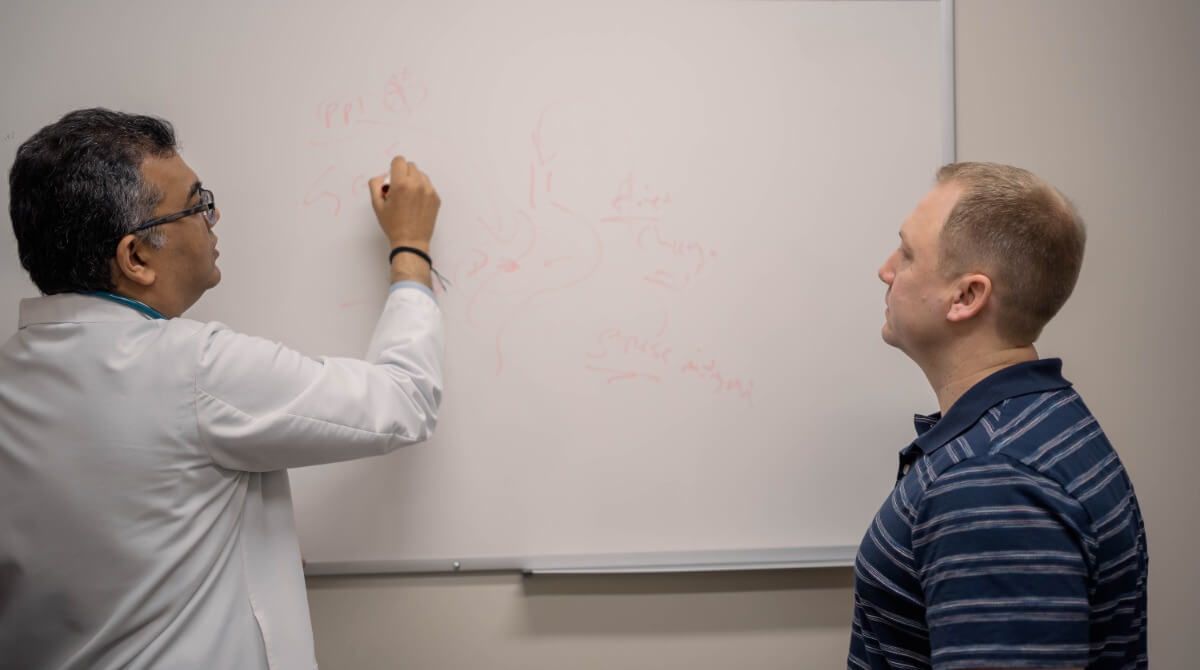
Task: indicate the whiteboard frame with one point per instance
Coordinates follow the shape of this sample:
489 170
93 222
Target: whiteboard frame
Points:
775 558
788 558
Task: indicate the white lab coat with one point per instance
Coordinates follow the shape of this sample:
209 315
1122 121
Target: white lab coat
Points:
145 511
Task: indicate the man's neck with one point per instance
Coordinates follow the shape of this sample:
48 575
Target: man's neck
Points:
956 374
149 298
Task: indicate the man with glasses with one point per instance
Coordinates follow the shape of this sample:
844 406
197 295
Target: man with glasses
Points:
145 512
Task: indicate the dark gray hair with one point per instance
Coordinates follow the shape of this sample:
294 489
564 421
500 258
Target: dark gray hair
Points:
76 189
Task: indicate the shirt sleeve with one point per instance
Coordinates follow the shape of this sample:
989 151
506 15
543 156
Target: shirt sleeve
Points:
1002 552
412 284
261 406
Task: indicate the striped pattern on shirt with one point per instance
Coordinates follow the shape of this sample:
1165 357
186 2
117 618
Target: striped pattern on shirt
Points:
1013 539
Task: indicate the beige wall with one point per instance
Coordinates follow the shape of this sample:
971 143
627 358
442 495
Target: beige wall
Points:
1101 98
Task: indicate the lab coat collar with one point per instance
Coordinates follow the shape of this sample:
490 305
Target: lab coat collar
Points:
75 308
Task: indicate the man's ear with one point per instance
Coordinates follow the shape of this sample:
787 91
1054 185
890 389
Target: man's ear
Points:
130 261
971 294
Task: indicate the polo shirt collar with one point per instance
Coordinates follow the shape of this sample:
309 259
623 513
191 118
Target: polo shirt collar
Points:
935 430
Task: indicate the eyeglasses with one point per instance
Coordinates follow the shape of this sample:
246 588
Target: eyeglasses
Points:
207 207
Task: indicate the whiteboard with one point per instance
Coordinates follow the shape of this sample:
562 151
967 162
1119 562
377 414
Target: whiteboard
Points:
661 224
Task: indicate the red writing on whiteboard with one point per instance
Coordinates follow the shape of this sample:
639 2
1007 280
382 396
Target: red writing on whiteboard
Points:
404 93
541 170
691 257
710 371
614 340
674 261
622 357
615 375
636 202
399 97
319 192
525 254
332 186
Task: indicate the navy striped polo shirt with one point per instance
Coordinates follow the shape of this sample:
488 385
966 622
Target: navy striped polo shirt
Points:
1012 539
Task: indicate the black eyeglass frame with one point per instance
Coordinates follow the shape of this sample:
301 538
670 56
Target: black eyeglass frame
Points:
209 209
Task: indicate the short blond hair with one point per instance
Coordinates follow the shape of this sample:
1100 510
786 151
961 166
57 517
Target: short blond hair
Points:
1020 231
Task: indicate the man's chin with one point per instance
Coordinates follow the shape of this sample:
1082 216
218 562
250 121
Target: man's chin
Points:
888 336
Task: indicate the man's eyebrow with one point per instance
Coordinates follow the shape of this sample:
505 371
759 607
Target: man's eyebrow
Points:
195 189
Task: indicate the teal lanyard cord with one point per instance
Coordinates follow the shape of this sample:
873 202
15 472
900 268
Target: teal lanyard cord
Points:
128 302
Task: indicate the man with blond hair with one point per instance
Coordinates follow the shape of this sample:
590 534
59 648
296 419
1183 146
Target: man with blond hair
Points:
1013 538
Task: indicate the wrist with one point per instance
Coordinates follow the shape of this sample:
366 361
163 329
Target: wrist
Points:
407 267
411 263
394 242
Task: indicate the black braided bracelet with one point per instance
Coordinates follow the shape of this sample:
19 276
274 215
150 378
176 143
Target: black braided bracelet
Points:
411 250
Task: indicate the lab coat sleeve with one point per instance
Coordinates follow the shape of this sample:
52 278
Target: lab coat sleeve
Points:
261 406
